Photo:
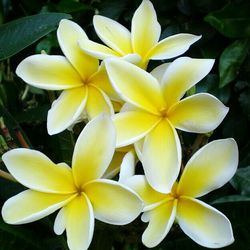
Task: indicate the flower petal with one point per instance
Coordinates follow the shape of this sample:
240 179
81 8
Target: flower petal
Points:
65 111
161 220
145 29
200 113
135 85
203 223
138 148
115 35
49 72
68 35
117 105
114 166
94 150
132 58
126 107
181 75
100 79
209 168
97 103
79 221
145 217
173 46
113 202
161 157
132 126
35 170
159 71
127 166
97 50
60 223
150 197
29 206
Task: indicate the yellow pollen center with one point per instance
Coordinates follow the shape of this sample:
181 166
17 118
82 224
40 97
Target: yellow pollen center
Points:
174 193
164 113
79 190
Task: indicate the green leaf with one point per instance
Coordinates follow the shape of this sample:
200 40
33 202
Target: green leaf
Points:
244 100
231 21
112 8
241 181
231 59
231 198
47 44
210 84
69 6
18 34
13 236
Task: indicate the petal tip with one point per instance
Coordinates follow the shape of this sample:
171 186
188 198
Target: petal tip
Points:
63 21
97 18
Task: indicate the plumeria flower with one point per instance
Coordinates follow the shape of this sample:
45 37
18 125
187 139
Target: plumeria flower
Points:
208 169
141 44
79 192
154 109
120 158
83 82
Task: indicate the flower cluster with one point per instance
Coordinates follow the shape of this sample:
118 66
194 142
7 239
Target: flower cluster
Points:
133 113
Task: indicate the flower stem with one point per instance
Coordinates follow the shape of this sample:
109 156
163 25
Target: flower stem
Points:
7 176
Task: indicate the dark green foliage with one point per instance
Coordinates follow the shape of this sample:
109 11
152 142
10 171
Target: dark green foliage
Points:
231 59
241 181
233 20
27 29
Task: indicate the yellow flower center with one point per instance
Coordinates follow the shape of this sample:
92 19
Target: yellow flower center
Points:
164 113
79 190
86 81
174 193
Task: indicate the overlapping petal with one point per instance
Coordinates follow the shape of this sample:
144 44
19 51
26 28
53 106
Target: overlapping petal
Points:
97 50
115 35
97 103
29 206
68 35
60 223
100 79
203 223
209 168
49 72
127 166
181 75
132 58
36 171
113 202
94 150
145 29
126 107
66 110
114 166
161 157
200 113
159 71
79 221
150 197
135 85
138 148
132 126
161 220
172 46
